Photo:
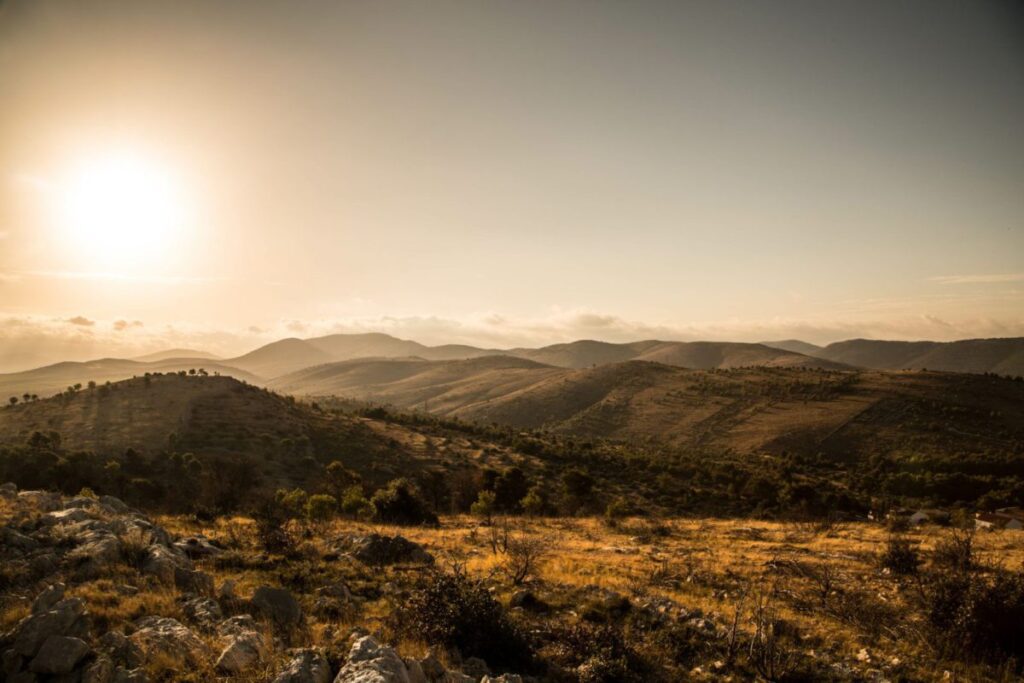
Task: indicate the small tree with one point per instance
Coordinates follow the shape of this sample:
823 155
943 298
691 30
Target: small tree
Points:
340 478
534 503
13 400
320 509
354 503
484 506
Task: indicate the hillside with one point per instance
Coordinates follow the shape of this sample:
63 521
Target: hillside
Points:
51 379
999 356
748 410
221 418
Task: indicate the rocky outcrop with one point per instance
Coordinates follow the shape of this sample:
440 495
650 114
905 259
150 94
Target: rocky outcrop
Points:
245 644
370 662
166 637
306 666
377 550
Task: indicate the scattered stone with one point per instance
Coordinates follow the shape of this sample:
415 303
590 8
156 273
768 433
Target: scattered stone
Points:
432 667
59 655
65 618
278 605
242 651
121 650
371 662
306 666
50 596
197 546
169 638
205 612
377 549
504 678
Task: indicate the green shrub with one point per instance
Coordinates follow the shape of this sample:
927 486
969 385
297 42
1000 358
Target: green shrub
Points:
400 503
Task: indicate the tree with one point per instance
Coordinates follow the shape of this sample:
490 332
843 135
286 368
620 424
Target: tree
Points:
340 478
354 503
400 503
534 502
13 400
484 506
320 508
510 488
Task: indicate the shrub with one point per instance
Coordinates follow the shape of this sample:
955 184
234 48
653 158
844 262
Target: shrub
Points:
321 508
523 557
534 502
900 556
955 552
616 510
598 654
400 503
454 611
979 617
354 503
484 506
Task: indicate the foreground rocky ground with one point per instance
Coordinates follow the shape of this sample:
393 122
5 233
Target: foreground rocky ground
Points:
94 591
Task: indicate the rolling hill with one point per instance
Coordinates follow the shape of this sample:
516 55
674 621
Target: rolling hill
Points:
749 409
50 379
999 356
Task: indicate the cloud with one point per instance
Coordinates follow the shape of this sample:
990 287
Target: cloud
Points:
296 326
977 279
121 325
81 321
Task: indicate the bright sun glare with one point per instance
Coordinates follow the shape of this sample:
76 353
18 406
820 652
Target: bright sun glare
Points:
119 210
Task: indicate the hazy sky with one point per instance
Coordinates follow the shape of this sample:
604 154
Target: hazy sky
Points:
518 172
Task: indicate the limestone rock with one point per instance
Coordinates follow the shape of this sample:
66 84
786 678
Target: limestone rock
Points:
371 662
59 655
168 637
278 605
306 666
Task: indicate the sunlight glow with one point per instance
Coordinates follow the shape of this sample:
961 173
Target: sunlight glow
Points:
119 211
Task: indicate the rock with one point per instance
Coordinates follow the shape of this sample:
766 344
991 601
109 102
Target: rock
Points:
415 672
371 662
96 551
457 677
121 650
278 605
101 670
50 596
197 546
432 667
203 611
69 516
526 599
243 623
242 651
192 581
306 666
43 500
9 491
161 562
65 618
169 638
59 655
115 504
504 678
475 667
226 592
377 549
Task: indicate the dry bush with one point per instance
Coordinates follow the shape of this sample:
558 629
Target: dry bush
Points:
767 653
135 543
523 557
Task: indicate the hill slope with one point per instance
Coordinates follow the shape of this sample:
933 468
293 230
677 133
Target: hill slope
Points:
1000 356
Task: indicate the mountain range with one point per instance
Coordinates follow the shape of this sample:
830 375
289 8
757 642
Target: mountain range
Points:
275 363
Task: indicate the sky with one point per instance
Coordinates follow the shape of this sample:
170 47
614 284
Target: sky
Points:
503 173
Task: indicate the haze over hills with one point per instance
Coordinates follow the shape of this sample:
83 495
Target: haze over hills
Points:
273 362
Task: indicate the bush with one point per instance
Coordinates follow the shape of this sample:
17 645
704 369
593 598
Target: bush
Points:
454 611
400 503
321 508
354 503
598 654
616 510
900 557
523 557
955 552
979 617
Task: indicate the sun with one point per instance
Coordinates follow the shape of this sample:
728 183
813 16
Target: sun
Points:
119 210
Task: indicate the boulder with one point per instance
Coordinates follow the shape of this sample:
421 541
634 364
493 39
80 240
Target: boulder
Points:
305 666
197 546
121 650
371 662
432 667
50 596
115 504
504 678
204 612
9 491
242 651
58 655
42 500
377 549
161 562
69 516
169 638
193 581
278 605
64 618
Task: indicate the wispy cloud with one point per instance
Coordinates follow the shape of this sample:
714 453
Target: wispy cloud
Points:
81 321
107 276
977 279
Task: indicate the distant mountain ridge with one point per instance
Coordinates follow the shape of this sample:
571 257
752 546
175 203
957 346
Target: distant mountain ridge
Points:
279 359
